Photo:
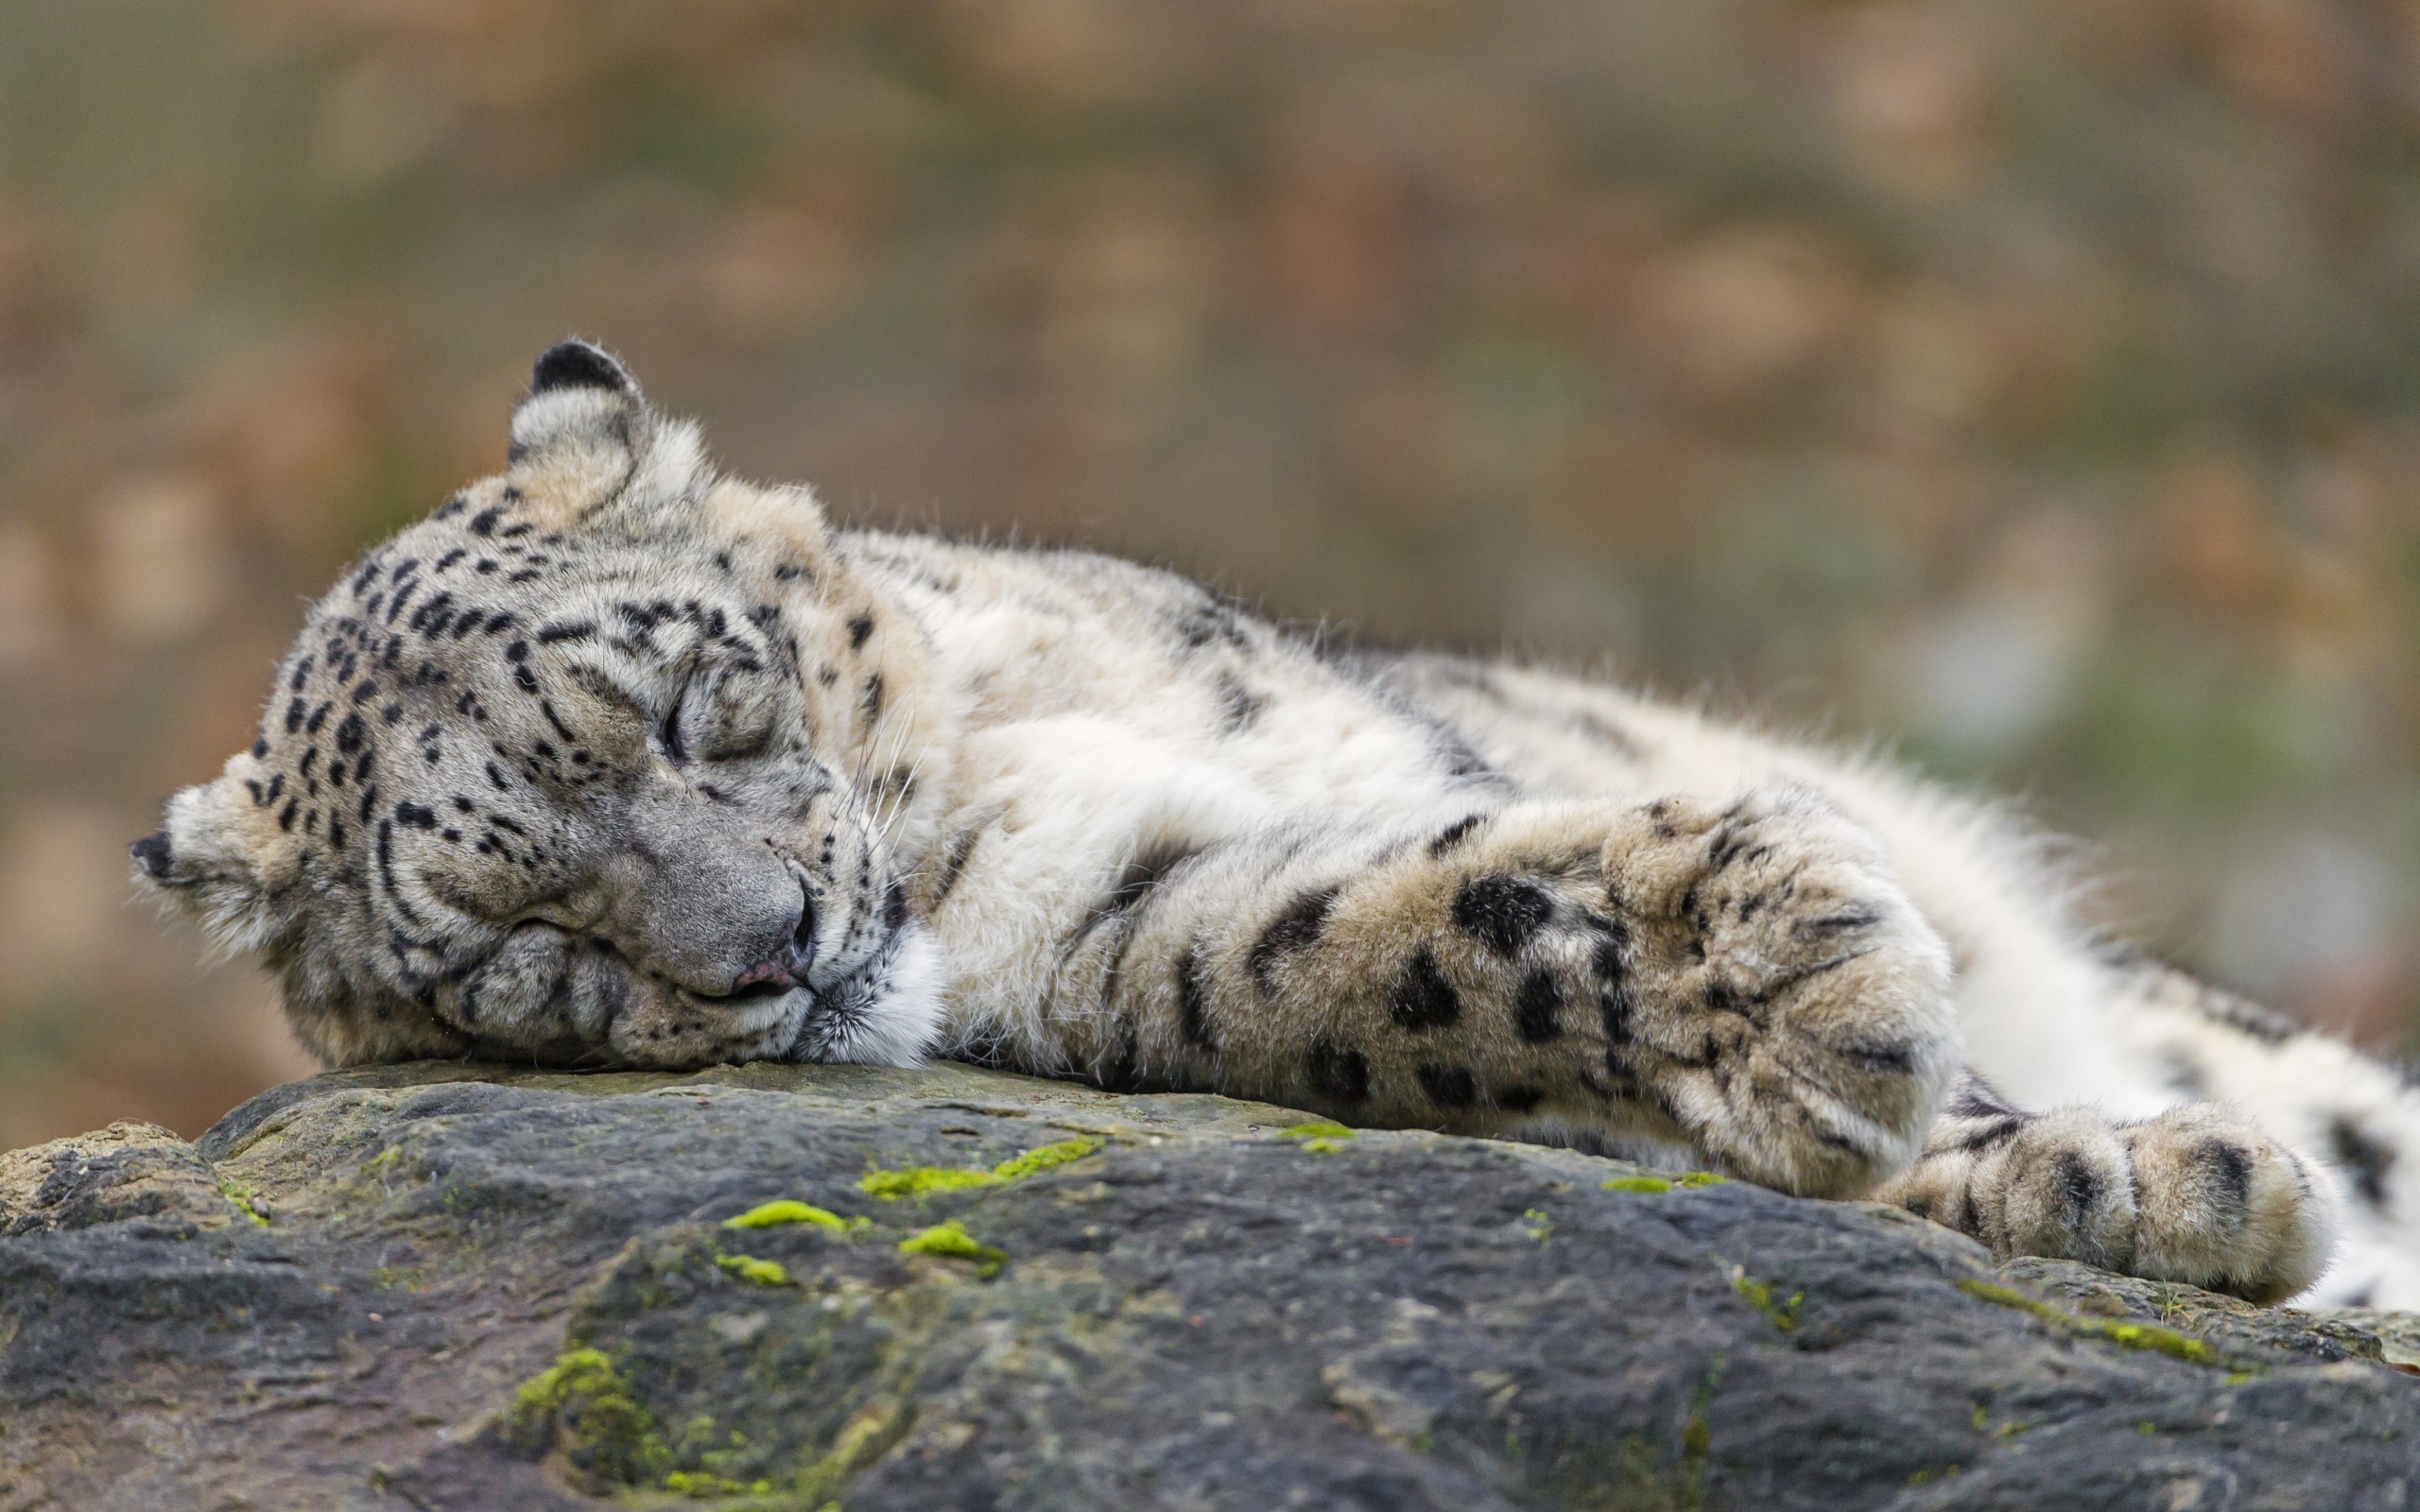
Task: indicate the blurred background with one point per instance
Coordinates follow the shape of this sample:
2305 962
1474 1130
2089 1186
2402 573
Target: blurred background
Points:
2029 384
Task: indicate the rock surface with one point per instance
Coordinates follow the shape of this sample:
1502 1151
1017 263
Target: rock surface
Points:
460 1287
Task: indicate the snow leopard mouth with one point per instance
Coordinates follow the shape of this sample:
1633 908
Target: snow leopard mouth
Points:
881 1009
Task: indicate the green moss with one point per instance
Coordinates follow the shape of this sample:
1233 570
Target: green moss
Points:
1697 1439
573 1372
2006 1431
924 1180
246 1199
950 1241
869 1434
775 1214
920 1181
1319 1137
712 1461
703 1484
585 1398
1319 1128
1782 1315
2149 1336
749 1269
2163 1341
1538 1225
1687 1179
1055 1154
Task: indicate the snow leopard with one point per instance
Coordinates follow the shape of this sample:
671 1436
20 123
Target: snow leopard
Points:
617 761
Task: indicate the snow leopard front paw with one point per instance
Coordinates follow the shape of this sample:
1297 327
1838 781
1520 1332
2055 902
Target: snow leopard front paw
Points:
1787 1005
2197 1195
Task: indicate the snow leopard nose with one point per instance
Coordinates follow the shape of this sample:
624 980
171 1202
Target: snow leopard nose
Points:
703 895
786 969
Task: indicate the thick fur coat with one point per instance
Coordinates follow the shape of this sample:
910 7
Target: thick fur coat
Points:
615 761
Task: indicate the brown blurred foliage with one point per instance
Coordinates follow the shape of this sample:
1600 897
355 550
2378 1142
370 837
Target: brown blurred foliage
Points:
2028 380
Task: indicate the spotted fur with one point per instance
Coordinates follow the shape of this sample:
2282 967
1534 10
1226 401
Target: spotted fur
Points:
615 761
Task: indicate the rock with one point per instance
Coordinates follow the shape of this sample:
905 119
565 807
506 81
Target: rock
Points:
2273 1336
125 1171
469 1287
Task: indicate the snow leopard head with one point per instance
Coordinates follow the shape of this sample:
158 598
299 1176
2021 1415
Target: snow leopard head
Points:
604 762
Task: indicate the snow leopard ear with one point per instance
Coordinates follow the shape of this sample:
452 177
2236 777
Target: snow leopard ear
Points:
587 439
220 856
579 396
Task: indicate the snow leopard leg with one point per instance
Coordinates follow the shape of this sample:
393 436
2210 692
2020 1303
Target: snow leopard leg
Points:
2198 1193
1744 978
2356 1117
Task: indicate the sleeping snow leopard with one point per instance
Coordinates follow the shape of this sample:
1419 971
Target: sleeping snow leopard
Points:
616 761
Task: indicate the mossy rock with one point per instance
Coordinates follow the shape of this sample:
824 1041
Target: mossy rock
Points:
459 1286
